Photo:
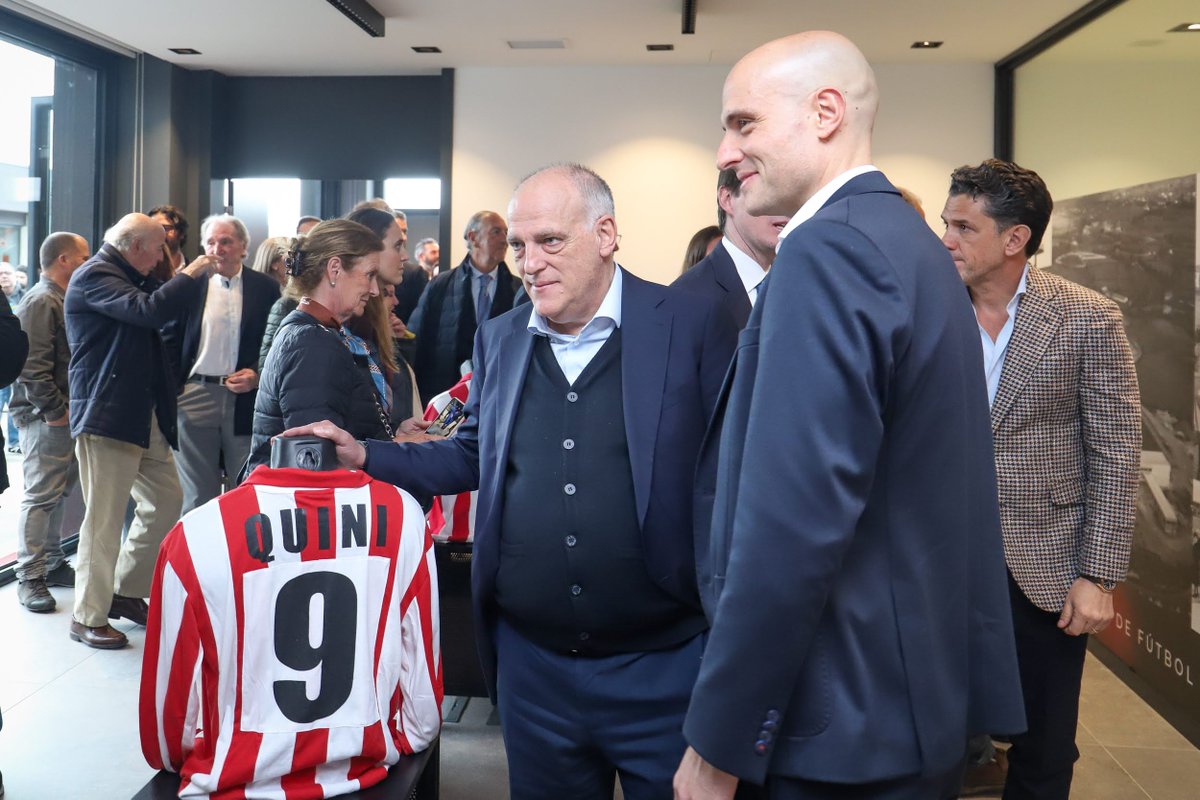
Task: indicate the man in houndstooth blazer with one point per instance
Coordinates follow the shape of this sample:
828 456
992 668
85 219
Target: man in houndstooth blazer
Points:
1066 425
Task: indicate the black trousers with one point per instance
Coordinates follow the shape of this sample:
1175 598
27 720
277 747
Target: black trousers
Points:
1042 760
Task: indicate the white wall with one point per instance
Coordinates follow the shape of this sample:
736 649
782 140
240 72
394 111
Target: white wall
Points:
652 133
1088 128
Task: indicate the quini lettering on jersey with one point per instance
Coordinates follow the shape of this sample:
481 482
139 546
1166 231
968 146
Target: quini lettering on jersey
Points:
292 525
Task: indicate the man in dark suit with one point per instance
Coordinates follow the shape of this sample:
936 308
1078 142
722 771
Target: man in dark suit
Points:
731 273
1067 428
455 302
215 345
585 416
854 570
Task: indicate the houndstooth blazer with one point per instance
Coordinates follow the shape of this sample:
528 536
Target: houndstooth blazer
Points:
1066 424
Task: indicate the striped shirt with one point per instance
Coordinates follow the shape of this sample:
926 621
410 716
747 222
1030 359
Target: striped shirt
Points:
451 518
292 649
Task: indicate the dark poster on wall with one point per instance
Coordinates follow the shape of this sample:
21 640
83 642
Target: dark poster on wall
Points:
1137 245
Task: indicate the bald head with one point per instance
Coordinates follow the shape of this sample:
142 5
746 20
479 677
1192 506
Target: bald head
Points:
139 239
797 113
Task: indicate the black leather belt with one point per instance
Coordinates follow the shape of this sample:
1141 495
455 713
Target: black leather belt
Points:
217 379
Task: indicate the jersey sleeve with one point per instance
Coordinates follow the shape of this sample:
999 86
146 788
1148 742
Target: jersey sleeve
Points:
169 700
420 712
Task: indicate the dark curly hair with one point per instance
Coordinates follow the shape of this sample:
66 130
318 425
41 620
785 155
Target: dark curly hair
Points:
1012 195
177 219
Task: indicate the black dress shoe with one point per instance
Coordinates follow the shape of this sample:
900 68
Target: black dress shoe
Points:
133 609
62 575
106 637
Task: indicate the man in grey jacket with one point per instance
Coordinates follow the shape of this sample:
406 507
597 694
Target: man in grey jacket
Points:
39 405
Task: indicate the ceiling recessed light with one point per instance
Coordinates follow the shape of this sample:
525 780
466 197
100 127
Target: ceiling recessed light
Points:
926 45
1186 27
659 48
427 49
539 44
184 51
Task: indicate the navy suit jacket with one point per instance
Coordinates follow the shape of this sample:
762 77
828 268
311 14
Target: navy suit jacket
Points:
861 626
715 276
674 354
182 336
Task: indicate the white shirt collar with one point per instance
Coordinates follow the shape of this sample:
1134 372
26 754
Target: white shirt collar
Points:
610 310
814 203
234 282
747 268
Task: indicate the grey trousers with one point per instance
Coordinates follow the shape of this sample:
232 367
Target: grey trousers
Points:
109 471
51 474
206 435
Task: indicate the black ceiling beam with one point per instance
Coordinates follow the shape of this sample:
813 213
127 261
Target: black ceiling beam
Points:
362 14
689 16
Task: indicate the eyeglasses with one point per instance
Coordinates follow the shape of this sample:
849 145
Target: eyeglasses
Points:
168 228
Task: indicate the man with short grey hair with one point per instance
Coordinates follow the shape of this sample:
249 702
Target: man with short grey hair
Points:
455 303
122 411
39 405
215 344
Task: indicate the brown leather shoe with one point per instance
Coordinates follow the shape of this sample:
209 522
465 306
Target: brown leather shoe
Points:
105 637
133 609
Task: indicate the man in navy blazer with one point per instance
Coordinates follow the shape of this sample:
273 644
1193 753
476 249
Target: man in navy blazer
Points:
215 345
854 568
584 420
732 272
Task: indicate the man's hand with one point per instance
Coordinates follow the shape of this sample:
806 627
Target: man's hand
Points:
242 381
1087 610
413 426
200 268
696 779
350 453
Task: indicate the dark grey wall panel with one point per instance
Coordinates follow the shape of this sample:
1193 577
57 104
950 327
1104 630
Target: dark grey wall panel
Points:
328 128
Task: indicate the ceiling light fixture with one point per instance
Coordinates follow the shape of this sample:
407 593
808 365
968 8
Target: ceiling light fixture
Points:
538 44
689 16
362 14
184 51
1186 27
659 48
926 45
427 49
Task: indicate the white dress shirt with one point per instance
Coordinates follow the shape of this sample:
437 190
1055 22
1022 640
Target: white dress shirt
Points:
747 268
574 353
994 352
220 329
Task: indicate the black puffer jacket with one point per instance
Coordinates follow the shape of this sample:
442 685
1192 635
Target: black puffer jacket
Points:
310 375
285 305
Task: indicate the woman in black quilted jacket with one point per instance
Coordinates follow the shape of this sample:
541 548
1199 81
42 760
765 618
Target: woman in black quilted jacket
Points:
317 368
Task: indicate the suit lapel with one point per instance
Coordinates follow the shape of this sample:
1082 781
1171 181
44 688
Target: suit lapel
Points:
645 345
513 351
726 276
1038 319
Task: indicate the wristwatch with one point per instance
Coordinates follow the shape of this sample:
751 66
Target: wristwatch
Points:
1108 587
366 454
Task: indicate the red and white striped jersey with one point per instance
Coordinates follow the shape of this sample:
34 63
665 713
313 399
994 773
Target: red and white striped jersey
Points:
451 518
292 648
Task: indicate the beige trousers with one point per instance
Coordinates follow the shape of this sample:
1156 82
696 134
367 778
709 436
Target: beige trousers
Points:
110 471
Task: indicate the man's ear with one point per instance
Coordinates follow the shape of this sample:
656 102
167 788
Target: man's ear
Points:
725 199
1016 238
830 108
606 232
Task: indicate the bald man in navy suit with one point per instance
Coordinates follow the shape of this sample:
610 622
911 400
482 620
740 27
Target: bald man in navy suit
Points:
731 273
